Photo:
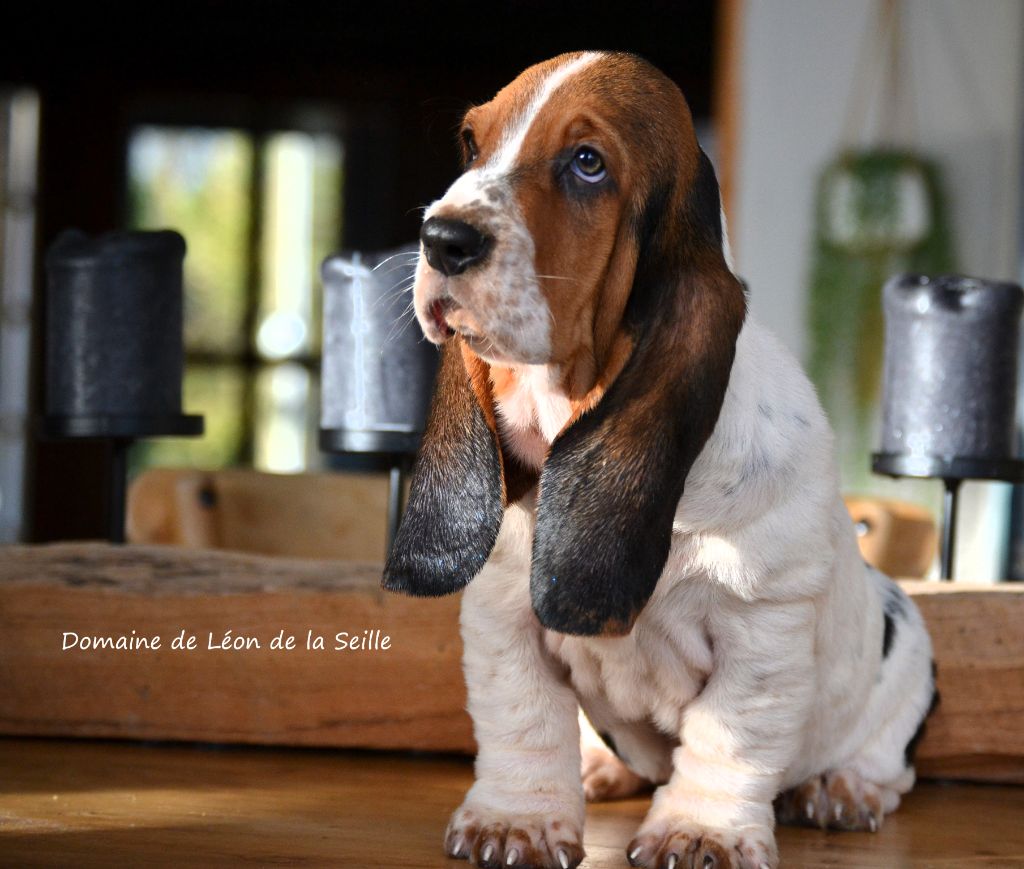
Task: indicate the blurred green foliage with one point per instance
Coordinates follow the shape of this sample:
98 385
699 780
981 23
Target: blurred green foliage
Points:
197 181
200 182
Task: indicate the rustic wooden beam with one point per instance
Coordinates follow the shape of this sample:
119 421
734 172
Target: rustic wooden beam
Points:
977 631
408 695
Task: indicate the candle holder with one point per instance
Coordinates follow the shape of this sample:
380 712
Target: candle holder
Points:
950 386
378 371
114 353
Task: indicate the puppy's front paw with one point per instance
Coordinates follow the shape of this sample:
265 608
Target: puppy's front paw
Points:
675 843
494 839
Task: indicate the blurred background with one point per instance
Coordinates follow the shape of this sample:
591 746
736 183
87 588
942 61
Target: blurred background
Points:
271 134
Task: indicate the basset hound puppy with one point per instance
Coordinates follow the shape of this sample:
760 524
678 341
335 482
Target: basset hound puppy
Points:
635 485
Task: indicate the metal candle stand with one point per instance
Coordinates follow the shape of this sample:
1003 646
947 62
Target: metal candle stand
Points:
114 347
378 371
950 386
952 472
121 433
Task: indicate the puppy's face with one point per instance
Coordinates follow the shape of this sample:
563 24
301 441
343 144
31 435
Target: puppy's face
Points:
530 254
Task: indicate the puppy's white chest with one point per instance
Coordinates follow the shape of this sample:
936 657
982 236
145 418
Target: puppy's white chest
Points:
649 675
532 414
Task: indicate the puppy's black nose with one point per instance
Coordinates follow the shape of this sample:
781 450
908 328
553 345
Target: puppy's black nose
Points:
452 246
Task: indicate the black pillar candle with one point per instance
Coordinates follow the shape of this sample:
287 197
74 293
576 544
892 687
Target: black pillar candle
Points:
114 347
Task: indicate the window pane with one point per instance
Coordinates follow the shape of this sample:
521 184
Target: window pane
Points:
19 149
218 393
197 181
286 418
302 200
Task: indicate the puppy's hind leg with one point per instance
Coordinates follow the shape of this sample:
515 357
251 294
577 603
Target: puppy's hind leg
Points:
605 776
838 800
866 786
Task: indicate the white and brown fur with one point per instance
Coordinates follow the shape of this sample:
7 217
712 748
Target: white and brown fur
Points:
640 483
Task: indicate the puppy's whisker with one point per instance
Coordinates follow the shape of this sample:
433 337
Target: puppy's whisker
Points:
399 321
490 344
387 302
401 331
412 254
391 304
409 321
400 282
398 328
397 292
396 268
400 289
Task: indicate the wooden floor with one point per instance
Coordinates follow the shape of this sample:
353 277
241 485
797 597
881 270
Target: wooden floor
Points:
122 804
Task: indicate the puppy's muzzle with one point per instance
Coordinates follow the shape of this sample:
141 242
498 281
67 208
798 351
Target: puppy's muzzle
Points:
453 246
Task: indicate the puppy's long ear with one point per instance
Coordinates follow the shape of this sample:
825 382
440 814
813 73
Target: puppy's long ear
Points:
457 496
612 481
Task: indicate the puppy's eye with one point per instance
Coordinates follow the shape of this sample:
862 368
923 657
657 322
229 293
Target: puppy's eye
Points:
469 146
588 165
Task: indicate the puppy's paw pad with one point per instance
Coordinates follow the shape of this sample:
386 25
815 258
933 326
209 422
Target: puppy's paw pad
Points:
680 845
495 841
605 777
837 800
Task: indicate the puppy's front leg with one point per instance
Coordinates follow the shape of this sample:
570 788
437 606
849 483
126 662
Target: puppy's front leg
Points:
526 807
737 739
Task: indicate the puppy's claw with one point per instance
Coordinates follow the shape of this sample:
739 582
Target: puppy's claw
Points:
495 841
838 811
673 842
634 854
810 810
873 823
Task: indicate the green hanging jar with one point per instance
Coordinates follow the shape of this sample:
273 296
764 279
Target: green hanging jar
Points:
879 212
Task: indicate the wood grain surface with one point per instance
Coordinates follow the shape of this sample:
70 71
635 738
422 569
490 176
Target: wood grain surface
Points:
98 804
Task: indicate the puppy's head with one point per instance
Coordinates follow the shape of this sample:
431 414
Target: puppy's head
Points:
585 234
530 254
